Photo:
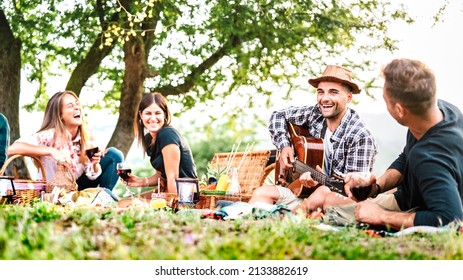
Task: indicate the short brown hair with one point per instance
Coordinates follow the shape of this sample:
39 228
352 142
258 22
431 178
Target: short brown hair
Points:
411 83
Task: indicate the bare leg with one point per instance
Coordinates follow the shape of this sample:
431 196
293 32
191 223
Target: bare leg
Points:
265 194
334 199
314 202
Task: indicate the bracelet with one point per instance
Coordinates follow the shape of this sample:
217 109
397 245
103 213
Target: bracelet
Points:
378 190
146 182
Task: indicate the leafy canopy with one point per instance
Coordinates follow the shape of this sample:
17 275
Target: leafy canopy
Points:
203 51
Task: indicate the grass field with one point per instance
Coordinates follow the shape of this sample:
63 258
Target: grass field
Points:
45 231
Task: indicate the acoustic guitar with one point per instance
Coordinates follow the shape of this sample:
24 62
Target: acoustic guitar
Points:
309 152
334 184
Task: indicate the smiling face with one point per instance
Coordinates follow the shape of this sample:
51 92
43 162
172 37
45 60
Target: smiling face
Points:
153 118
332 98
71 112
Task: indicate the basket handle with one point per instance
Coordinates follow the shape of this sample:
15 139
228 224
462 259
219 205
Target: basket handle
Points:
36 159
68 169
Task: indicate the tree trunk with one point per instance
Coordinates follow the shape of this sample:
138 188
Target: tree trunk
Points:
10 73
131 94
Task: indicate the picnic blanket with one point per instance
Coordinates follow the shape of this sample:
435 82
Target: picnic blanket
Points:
235 210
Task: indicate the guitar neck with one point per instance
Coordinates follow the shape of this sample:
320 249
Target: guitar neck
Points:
301 167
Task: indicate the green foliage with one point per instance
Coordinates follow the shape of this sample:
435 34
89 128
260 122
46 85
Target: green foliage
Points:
149 234
202 50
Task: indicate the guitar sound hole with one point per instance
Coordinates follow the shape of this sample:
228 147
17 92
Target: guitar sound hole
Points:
361 192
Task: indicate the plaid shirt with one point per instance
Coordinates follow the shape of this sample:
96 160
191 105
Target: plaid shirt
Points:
354 147
4 138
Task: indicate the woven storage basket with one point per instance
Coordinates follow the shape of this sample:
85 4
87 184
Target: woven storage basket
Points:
251 172
251 175
26 190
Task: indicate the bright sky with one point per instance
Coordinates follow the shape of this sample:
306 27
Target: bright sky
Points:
437 46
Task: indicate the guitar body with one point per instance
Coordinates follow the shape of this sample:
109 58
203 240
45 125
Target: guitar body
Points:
307 149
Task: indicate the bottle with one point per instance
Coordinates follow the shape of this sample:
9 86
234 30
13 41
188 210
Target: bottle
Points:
234 188
157 201
223 183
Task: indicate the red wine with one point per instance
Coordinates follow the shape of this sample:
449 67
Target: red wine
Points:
361 192
123 173
91 152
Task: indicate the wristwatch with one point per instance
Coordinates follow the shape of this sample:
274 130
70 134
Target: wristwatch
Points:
378 190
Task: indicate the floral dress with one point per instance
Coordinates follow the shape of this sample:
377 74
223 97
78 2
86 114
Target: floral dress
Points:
71 149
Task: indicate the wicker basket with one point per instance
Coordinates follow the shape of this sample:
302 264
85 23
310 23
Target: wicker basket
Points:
251 173
26 190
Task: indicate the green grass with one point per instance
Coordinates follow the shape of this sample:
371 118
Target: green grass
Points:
46 231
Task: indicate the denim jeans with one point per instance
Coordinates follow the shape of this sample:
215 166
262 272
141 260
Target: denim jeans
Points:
108 178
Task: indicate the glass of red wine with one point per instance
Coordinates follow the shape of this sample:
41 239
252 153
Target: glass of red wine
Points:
361 192
123 169
91 150
362 188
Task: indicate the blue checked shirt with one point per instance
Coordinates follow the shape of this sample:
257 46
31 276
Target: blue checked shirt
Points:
354 147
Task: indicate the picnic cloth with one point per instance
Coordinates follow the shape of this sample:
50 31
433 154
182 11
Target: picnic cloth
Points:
239 209
101 197
257 210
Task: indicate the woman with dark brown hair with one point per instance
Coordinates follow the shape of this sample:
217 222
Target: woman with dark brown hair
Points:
169 153
63 136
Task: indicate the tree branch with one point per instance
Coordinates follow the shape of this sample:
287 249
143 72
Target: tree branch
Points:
88 66
233 42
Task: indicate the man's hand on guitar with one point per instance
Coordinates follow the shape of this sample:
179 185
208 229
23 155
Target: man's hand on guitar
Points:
287 157
307 180
355 179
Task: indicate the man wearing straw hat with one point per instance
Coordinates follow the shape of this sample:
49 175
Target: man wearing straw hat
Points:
348 145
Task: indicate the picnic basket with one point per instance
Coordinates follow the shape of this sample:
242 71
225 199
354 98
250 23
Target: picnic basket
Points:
251 172
26 190
251 175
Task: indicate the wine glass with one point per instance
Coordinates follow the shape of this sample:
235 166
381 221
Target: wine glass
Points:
361 192
123 169
91 150
362 189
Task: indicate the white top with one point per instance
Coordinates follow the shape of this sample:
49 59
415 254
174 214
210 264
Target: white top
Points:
71 149
328 151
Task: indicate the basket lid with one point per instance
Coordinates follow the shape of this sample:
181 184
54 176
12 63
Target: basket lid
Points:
29 185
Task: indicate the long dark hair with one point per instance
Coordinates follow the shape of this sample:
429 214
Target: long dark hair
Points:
52 120
147 100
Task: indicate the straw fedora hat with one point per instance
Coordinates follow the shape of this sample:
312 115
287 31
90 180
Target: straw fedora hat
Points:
338 74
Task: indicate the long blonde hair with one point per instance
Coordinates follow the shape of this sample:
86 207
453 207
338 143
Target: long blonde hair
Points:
52 120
